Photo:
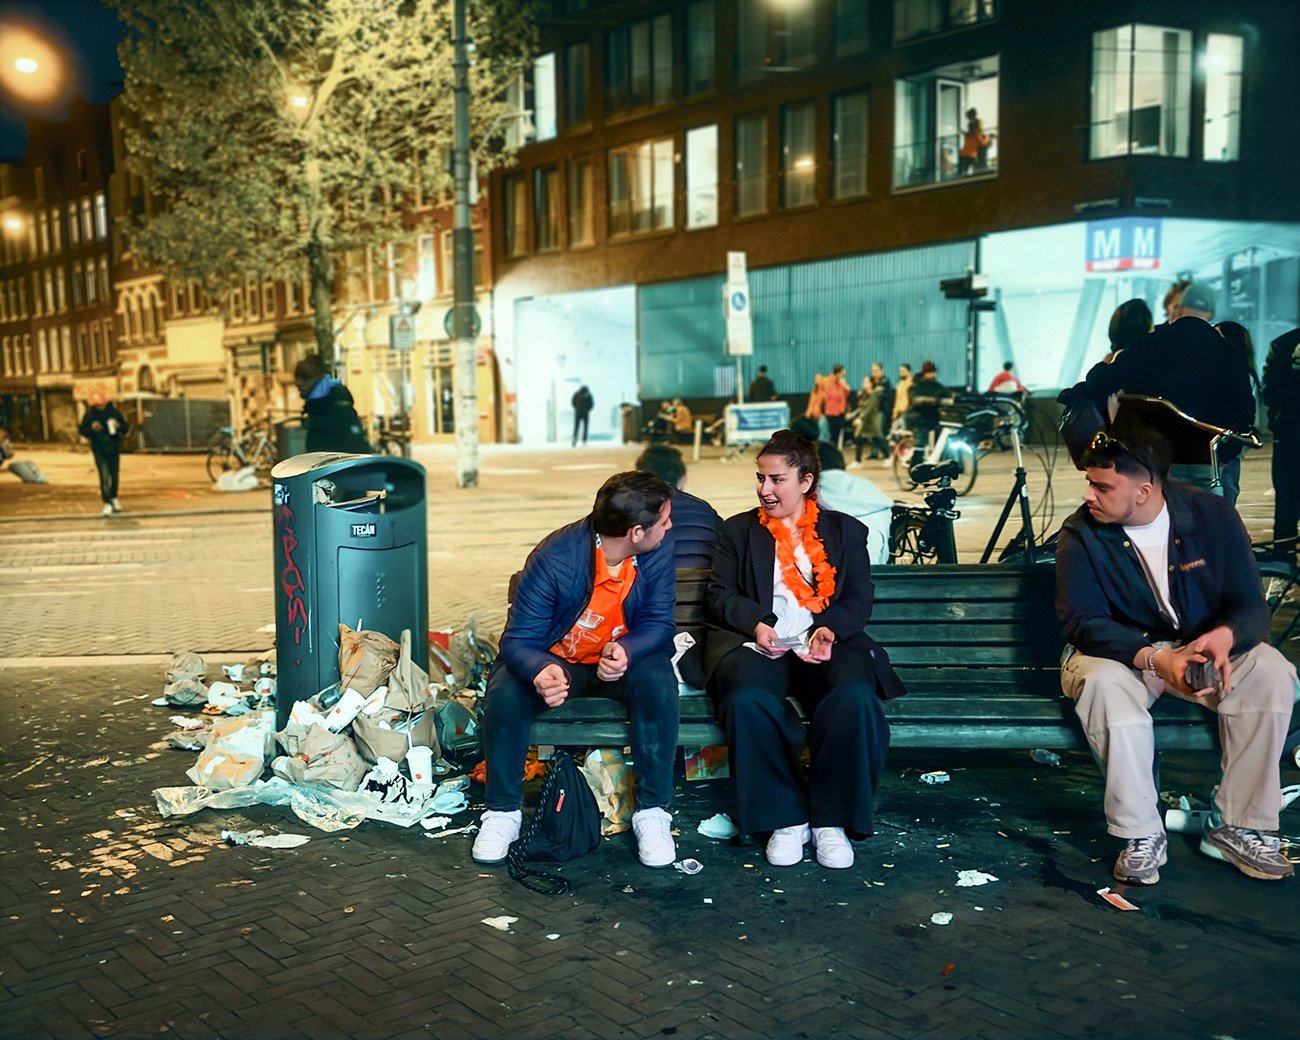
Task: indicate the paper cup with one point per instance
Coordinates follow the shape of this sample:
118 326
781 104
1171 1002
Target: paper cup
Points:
419 760
344 711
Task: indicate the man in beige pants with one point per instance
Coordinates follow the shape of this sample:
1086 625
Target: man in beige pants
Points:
1152 577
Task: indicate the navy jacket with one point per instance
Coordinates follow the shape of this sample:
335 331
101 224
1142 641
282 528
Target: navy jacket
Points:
1282 386
332 421
1189 364
694 532
555 585
740 590
1106 604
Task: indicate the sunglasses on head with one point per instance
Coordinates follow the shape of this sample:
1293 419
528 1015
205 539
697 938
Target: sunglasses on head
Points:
1103 441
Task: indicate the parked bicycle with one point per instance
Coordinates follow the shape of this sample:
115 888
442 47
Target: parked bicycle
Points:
253 447
970 426
393 435
924 534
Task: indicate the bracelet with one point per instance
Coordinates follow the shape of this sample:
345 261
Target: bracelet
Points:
1149 665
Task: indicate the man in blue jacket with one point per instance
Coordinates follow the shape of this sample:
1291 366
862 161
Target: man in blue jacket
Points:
592 614
1153 576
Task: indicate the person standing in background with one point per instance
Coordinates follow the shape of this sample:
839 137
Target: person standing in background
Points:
1005 382
1281 396
835 396
331 418
583 403
902 395
762 388
105 427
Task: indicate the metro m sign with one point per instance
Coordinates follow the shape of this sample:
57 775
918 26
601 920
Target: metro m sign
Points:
1123 244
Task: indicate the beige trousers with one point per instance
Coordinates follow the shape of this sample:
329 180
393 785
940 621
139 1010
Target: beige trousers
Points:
1114 705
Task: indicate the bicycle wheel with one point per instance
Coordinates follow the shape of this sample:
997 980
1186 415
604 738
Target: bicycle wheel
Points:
964 455
263 459
222 458
901 460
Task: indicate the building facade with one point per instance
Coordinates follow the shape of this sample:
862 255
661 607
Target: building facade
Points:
858 152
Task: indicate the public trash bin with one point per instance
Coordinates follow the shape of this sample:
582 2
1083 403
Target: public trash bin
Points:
630 416
350 546
290 438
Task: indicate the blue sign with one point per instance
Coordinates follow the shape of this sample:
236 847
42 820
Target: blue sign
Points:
739 301
1123 244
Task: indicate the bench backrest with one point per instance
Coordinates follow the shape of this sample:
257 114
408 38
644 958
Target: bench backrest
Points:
967 616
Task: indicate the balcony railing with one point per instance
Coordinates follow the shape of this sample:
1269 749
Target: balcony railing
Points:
938 160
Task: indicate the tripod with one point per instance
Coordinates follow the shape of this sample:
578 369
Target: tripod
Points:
1019 490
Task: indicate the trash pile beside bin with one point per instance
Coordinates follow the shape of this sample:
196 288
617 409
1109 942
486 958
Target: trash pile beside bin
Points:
370 746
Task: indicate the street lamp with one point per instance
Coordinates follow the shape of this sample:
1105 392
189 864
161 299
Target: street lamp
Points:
31 68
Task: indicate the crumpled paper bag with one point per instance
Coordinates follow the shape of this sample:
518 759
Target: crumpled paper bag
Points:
379 736
315 755
365 659
610 779
408 683
218 769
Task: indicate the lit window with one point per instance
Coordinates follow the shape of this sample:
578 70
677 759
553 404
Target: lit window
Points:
751 165
101 216
580 207
544 97
945 123
515 211
546 208
1222 132
772 38
641 187
849 145
56 228
78 296
798 156
61 290
74 227
1141 91
87 221
702 177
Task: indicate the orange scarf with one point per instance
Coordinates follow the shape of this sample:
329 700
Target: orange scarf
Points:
823 571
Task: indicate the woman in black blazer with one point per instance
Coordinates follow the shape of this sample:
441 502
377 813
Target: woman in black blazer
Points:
789 597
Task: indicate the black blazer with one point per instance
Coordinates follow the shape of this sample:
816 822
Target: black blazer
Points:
740 591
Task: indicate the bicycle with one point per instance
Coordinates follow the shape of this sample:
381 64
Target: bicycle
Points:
925 534
393 435
253 447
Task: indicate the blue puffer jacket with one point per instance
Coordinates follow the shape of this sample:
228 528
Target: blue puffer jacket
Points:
555 585
1106 604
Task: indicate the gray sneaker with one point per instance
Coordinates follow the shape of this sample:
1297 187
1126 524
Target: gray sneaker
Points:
1141 860
1254 854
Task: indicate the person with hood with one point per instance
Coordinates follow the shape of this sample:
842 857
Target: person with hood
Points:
104 427
331 419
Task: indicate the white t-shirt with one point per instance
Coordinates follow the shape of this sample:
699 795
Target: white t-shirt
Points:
792 619
1152 543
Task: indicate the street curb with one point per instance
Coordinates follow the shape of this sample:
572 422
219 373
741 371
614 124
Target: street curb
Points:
60 517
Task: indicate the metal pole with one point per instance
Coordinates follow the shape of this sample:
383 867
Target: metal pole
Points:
466 379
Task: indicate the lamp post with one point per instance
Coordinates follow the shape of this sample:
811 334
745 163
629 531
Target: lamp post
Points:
464 317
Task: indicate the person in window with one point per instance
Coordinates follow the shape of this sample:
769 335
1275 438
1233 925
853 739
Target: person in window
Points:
974 154
331 419
788 600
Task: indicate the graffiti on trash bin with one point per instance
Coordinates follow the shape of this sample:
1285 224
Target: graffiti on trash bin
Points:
290 576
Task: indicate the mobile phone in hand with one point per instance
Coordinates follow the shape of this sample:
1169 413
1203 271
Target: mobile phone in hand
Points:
1202 675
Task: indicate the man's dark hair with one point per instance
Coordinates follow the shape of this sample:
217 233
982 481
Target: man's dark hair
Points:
1007 366
1129 323
628 500
829 456
1133 450
799 452
806 427
904 364
762 370
310 367
664 462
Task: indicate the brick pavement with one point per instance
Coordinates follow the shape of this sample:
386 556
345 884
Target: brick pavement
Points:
120 924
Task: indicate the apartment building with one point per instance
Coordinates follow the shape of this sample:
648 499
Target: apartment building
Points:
858 152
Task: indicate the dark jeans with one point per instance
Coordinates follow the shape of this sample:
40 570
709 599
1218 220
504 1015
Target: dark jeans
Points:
847 736
107 464
836 425
1286 489
649 689
579 421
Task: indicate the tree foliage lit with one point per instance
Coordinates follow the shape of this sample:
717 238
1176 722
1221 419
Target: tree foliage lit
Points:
278 134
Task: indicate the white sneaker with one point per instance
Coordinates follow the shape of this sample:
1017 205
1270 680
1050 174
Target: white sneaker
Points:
654 837
497 830
855 465
833 848
107 510
117 505
785 846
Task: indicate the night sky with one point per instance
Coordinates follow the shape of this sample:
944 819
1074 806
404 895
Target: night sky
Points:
88 34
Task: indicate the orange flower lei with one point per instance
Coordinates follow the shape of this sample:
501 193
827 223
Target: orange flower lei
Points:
823 571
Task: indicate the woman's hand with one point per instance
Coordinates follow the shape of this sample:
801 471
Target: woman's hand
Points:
764 636
819 646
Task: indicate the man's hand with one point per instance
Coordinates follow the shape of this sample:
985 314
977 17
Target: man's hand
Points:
763 638
613 662
552 685
819 646
1216 645
1171 665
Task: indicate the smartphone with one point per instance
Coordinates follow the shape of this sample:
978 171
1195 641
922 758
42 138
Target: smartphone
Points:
1202 675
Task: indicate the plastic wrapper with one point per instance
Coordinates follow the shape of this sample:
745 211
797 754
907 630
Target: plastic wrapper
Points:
321 807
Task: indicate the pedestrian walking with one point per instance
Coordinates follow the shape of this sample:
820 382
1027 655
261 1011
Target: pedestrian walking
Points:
329 414
104 427
582 403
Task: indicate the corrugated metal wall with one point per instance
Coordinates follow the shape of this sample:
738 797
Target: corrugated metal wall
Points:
807 317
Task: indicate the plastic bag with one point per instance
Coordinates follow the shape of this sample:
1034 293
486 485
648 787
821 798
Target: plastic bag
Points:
320 807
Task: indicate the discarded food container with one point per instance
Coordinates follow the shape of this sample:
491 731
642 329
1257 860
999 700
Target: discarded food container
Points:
689 866
936 777
1044 757
419 760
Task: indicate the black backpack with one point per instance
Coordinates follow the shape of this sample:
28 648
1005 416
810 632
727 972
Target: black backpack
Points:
565 826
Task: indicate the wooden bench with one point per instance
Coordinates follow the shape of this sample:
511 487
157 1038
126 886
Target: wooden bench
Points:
978 646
